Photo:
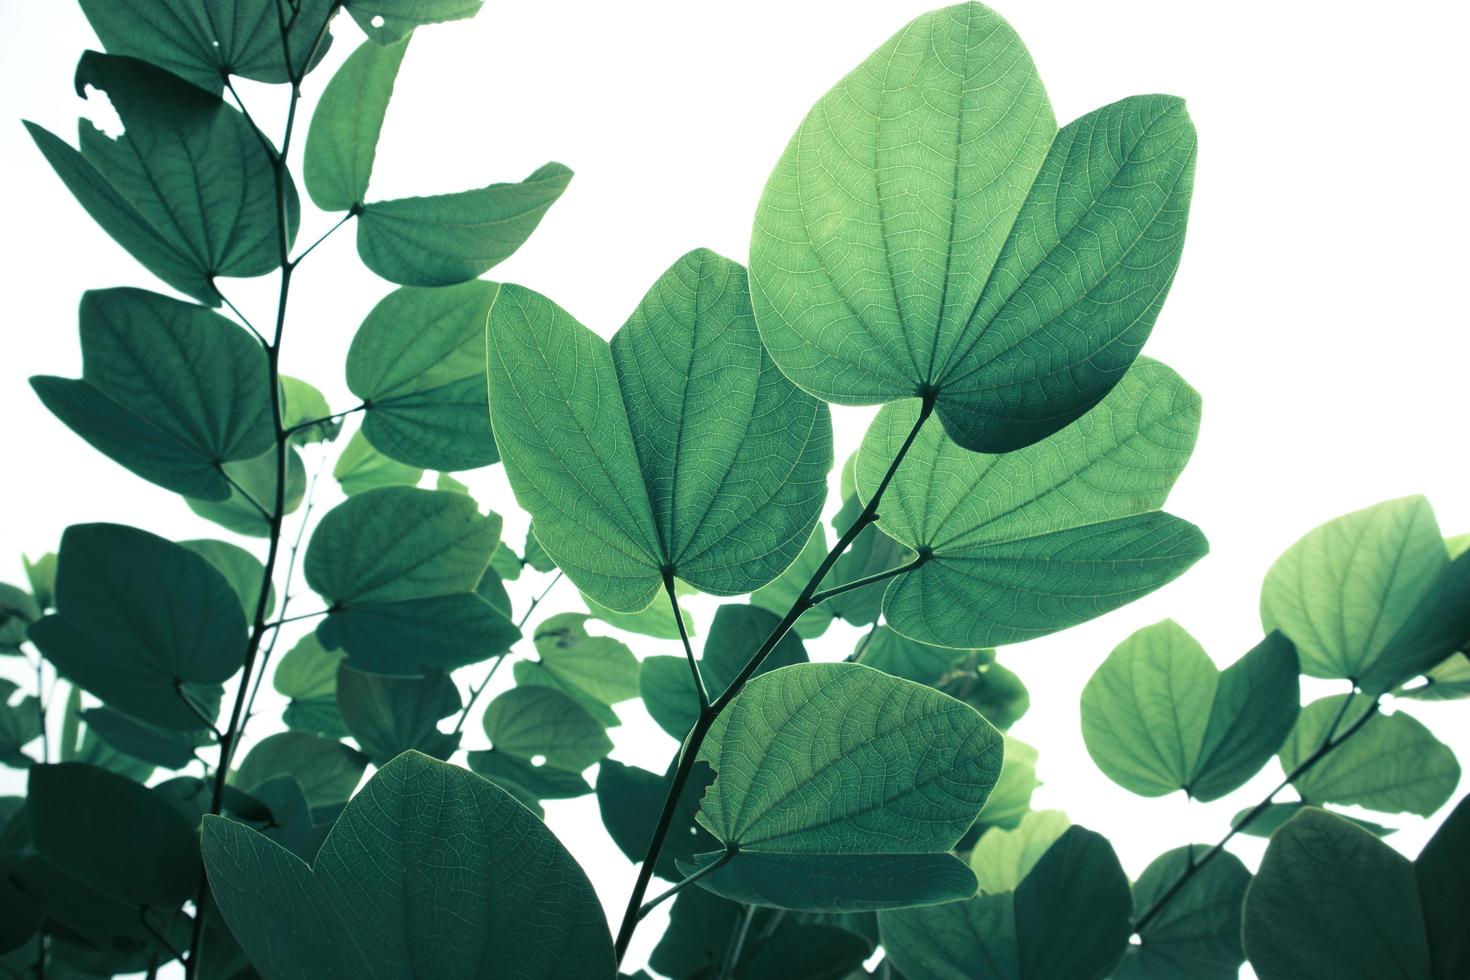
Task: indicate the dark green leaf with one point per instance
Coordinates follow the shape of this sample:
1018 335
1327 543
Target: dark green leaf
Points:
630 800
1032 541
390 715
871 552
170 390
453 238
254 494
343 138
326 770
423 848
418 363
20 724
546 728
386 21
793 757
1196 936
160 746
142 623
18 610
1002 858
1275 816
802 949
240 568
1331 900
361 467
526 781
620 495
1442 873
118 836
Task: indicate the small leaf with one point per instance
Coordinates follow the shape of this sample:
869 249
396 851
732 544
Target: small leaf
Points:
390 715
597 671
424 844
656 621
307 674
302 403
1002 858
418 363
18 610
793 801
630 800
539 723
41 574
343 137
1442 873
1330 900
1196 936
253 494
1032 541
168 389
1157 716
361 467
240 568
620 496
326 770
143 624
453 238
386 21
1393 764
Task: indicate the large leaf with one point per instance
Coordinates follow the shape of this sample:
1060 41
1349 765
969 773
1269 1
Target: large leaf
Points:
430 871
386 21
1196 936
1392 764
189 188
399 567
1358 596
804 823
204 41
168 389
1332 901
143 624
122 838
1068 918
391 715
1028 542
418 363
343 138
1158 717
928 229
452 238
1442 873
679 449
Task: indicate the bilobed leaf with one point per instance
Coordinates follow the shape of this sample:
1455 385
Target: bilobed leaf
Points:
1358 596
453 238
929 229
1442 873
205 40
794 797
170 390
188 189
399 566
1331 900
709 465
1196 935
361 467
390 715
386 21
142 623
20 724
240 568
121 838
1157 716
597 671
657 620
418 363
326 770
1028 542
424 848
540 723
1393 764
1002 858
253 494
343 137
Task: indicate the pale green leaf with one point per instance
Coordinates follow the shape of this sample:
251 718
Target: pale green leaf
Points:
1196 935
253 494
386 21
1002 858
361 467
343 137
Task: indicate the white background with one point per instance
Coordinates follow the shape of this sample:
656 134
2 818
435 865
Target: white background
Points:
1318 307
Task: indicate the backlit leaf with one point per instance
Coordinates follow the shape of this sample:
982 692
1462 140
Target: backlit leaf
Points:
307 674
361 467
302 403
540 723
160 746
240 568
1442 873
1002 858
386 21
1196 935
630 800
343 137
390 715
326 770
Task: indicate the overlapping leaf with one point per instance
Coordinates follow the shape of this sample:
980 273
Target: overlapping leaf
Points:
386 21
20 724
678 449
387 716
928 229
343 137
1158 716
596 671
1025 543
326 770
168 389
1196 934
253 494
630 800
307 674
361 467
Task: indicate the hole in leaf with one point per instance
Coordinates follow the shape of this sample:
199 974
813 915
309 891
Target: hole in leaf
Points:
378 21
538 760
100 113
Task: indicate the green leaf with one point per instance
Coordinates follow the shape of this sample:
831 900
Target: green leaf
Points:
1345 590
526 781
546 728
240 568
700 928
423 848
1442 873
1393 764
1010 800
189 189
253 494
506 564
1032 541
453 238
1330 900
1275 816
871 552
170 749
390 715
971 676
418 363
656 621
361 467
1196 935
386 21
667 685
307 674
398 567
537 557
343 138
802 949
302 403
1068 918
929 229
168 389
41 574
203 41
1157 716
794 799
597 671
118 836
18 610
630 800
621 497
1446 681
142 623
1002 858
20 724
326 770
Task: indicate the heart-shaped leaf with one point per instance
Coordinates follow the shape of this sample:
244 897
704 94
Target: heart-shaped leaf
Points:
1196 934
343 138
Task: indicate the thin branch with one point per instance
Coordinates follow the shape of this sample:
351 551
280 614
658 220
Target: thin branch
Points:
199 711
699 687
737 943
246 494
158 937
684 883
354 212
241 317
278 623
857 654
325 418
479 688
265 144
868 580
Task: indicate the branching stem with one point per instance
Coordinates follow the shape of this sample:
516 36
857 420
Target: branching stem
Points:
490 674
699 687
